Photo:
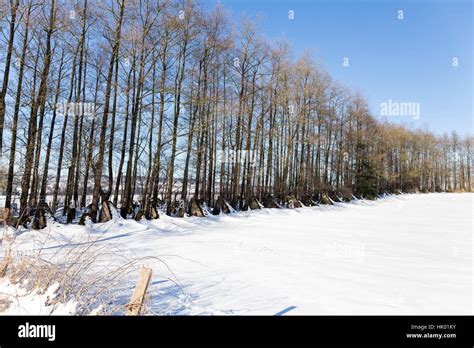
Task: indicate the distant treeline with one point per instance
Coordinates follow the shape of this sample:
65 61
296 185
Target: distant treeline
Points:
122 96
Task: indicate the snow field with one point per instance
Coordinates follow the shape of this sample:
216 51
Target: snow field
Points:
408 254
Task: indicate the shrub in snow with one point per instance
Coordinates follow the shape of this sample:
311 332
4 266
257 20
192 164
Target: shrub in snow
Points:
41 282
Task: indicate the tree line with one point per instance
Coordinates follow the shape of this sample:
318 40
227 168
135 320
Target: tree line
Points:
147 105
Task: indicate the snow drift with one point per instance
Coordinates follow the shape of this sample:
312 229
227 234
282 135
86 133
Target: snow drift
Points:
407 254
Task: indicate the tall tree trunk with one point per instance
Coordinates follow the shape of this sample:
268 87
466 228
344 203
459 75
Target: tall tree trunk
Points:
39 103
9 187
124 141
90 145
100 161
44 180
6 72
177 107
63 136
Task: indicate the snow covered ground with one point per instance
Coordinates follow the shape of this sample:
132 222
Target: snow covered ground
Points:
408 254
23 302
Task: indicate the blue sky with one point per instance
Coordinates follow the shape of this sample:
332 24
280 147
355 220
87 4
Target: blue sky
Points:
407 60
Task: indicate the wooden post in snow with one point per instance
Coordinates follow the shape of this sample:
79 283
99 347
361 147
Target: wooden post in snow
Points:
136 302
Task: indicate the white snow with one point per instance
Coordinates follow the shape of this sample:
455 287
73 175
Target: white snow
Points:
25 302
407 254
